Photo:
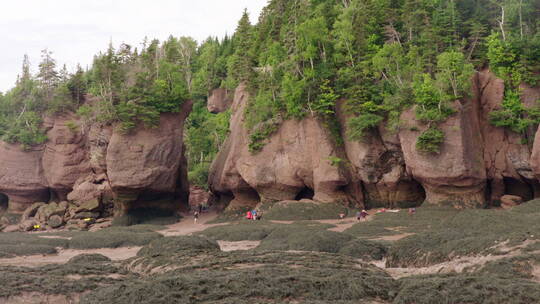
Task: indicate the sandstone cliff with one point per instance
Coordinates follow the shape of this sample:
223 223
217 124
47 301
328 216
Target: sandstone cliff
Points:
477 165
145 168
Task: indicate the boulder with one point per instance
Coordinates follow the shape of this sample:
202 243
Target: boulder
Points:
509 201
27 225
4 222
90 187
91 205
84 215
31 211
12 228
46 211
55 221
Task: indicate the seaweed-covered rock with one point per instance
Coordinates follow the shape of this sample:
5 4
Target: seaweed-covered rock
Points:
55 221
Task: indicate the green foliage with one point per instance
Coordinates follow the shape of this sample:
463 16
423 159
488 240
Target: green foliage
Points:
335 161
430 141
204 138
262 133
72 126
508 60
360 124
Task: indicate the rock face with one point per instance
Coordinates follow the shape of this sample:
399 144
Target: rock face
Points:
146 165
297 160
85 164
219 101
506 156
456 175
477 164
21 176
64 158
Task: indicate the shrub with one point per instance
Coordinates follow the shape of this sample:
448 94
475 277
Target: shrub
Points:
430 141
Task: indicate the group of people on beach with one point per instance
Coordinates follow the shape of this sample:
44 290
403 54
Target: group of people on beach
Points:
254 215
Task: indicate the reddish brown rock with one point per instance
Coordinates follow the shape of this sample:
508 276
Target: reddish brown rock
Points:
21 176
147 162
297 156
64 158
456 175
378 167
198 196
506 155
509 201
219 101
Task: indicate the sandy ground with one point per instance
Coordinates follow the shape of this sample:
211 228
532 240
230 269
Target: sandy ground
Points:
242 245
184 227
187 225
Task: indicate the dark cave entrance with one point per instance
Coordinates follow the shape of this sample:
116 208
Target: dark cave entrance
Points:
517 187
4 202
306 193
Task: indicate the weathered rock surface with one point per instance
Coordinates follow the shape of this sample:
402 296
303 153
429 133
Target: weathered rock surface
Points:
147 161
506 155
456 175
509 201
64 159
198 196
378 166
219 101
297 156
21 176
477 165
91 164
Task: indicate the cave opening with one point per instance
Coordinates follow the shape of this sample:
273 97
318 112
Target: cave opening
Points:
517 187
305 193
4 202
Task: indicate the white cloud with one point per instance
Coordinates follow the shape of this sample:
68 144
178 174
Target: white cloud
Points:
75 30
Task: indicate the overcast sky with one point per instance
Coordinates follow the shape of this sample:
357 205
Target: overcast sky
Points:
75 30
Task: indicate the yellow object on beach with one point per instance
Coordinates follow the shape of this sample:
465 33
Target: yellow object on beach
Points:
37 226
87 219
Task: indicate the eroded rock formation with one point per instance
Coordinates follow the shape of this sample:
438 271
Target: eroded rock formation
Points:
145 168
477 164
